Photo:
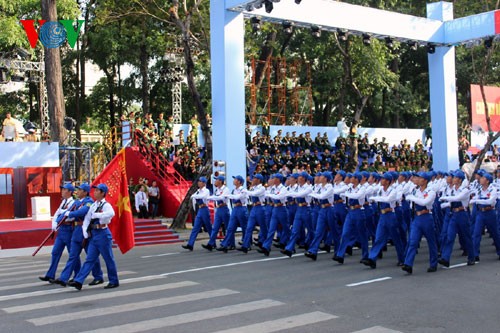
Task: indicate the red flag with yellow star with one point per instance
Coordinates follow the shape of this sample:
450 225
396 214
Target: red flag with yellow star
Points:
122 225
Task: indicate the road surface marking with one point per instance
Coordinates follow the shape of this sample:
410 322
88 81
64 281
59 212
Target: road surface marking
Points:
40 283
160 255
377 329
368 281
104 311
191 317
282 323
94 296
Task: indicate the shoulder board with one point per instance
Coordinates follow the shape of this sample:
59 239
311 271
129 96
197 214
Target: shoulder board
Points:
88 204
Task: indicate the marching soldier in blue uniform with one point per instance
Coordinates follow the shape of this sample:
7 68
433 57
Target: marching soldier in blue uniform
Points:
63 238
221 210
339 209
459 221
387 226
302 215
485 201
354 226
315 207
257 196
422 224
238 215
448 190
325 221
279 216
200 200
76 214
97 219
291 204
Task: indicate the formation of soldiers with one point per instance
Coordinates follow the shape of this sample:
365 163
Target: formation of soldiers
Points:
82 224
335 212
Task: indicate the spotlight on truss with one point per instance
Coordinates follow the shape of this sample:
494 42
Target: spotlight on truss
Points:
342 33
258 4
367 39
488 43
315 31
413 45
269 6
389 42
431 48
287 27
255 24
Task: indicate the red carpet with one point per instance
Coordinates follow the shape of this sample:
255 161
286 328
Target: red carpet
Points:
21 233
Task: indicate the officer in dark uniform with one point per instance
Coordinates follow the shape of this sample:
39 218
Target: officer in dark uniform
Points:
97 219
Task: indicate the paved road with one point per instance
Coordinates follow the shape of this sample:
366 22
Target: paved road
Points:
168 289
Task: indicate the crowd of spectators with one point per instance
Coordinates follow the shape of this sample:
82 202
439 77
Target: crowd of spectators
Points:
288 152
157 136
291 153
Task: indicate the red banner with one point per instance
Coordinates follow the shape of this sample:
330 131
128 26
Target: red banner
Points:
497 22
122 225
478 108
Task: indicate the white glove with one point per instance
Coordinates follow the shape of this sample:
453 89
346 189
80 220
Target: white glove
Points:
85 234
94 216
54 226
445 204
67 213
473 201
410 197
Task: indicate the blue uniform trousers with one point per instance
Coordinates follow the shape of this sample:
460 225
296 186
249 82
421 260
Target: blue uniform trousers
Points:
458 223
255 217
325 215
487 219
354 229
438 217
268 212
312 225
100 244
221 216
444 229
339 213
279 217
238 218
401 226
202 218
302 218
63 240
73 263
376 214
387 228
371 229
473 219
422 225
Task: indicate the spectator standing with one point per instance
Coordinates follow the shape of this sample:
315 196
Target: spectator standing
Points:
9 131
141 202
154 198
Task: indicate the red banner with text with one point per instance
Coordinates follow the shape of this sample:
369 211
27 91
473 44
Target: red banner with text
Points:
479 109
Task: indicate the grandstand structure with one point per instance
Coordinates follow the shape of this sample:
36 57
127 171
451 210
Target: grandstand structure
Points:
279 91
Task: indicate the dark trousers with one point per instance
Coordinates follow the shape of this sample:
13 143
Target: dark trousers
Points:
143 212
